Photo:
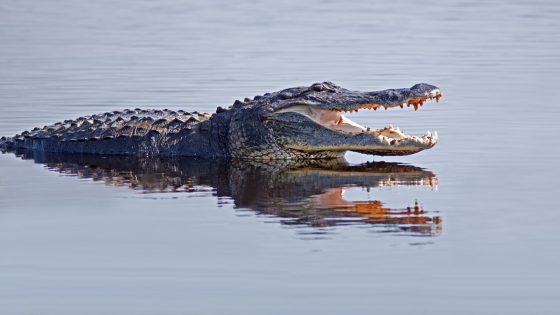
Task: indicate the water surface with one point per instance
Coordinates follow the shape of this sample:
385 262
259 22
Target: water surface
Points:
469 226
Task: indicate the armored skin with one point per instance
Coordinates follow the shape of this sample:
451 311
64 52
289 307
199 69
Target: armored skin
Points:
295 123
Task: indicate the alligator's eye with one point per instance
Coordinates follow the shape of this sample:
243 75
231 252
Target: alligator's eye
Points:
318 87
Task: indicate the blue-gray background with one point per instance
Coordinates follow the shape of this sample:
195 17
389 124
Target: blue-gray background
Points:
71 246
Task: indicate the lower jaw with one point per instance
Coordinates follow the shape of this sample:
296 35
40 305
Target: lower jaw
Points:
337 122
338 151
391 152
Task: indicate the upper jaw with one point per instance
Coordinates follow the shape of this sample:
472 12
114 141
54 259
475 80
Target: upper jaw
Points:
414 96
342 99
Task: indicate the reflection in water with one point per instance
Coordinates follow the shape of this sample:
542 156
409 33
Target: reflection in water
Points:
297 193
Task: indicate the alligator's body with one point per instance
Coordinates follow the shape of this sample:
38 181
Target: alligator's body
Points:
301 122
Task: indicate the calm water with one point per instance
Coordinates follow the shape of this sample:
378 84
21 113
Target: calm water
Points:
469 227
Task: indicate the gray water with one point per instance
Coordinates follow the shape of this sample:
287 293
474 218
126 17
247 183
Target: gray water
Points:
480 235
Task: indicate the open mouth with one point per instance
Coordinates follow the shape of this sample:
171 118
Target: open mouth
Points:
335 120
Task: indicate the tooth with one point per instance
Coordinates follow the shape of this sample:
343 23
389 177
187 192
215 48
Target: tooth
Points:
391 126
435 135
429 134
383 139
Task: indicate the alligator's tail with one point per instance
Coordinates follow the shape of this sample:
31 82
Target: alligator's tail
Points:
6 143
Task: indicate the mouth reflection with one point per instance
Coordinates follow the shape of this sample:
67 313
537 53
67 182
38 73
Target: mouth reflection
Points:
306 195
410 219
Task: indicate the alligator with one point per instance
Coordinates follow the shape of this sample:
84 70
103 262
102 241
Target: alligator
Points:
295 123
303 193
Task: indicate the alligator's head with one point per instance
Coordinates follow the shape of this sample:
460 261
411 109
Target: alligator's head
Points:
308 122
